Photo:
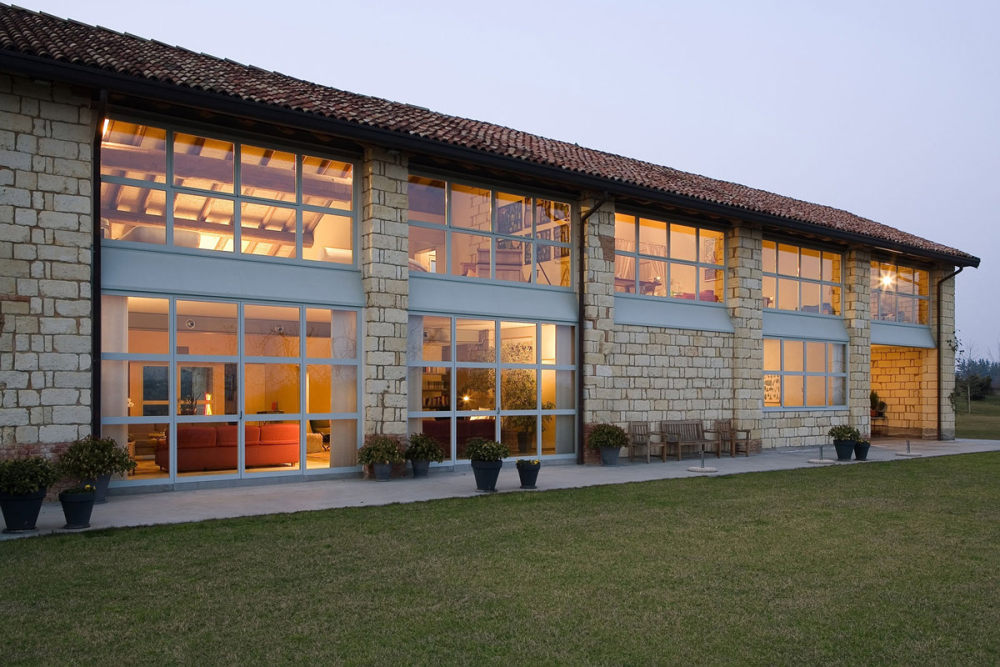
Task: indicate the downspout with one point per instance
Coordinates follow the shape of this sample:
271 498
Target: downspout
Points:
938 309
95 267
581 292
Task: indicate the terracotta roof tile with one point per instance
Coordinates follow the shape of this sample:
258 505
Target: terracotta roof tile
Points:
48 37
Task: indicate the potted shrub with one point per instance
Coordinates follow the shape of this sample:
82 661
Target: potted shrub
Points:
487 459
77 505
423 449
93 461
877 405
527 470
844 437
23 483
861 449
380 452
609 439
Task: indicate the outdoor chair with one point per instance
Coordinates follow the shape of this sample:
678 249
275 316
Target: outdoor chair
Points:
638 437
729 436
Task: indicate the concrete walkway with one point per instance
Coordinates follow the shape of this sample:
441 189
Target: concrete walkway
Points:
198 505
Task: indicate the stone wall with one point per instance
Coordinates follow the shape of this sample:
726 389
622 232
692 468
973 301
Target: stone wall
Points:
857 318
801 428
384 276
599 312
946 346
46 137
905 378
743 299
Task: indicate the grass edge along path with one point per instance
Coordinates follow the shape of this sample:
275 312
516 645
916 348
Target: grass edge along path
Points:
883 562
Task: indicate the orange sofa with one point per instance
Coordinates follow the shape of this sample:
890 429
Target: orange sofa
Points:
214 446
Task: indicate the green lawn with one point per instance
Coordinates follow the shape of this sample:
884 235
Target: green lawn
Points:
877 563
984 422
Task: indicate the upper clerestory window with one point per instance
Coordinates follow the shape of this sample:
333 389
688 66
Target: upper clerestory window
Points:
488 233
899 293
168 188
668 259
802 279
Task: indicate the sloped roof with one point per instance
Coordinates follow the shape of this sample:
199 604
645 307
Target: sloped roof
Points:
45 37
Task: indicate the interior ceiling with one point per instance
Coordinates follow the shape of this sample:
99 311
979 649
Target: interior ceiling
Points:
489 174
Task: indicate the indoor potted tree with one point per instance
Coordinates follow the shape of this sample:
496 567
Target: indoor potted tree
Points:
423 449
527 470
380 452
609 439
877 404
77 505
23 483
93 461
486 457
844 437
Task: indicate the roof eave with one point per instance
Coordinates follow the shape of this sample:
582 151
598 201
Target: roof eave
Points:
82 75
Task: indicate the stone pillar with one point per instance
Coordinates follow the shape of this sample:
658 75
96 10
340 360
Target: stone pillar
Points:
598 256
46 237
384 277
946 347
857 319
743 299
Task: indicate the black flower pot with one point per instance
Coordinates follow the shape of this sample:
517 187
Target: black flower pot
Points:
20 511
609 455
861 451
420 467
845 448
77 508
100 488
487 473
528 475
383 471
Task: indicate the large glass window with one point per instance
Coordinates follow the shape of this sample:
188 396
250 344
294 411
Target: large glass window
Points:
487 233
803 279
512 381
185 190
804 374
275 384
668 259
899 293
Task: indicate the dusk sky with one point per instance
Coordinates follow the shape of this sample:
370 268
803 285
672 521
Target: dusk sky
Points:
888 109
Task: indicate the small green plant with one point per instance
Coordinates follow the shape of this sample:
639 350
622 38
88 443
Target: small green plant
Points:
424 447
528 463
90 458
27 474
607 435
844 432
85 488
380 448
481 449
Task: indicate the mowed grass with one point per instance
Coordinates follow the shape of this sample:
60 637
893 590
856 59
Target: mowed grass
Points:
984 422
876 563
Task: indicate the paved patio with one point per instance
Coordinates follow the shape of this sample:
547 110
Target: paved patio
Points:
201 504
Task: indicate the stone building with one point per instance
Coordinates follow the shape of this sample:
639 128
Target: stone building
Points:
241 274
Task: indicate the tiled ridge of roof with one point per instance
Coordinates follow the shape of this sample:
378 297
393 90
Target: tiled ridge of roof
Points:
45 36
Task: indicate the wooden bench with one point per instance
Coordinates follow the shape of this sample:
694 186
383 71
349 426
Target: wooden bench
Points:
687 433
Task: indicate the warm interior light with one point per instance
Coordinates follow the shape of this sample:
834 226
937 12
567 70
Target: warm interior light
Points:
886 280
208 404
466 398
104 130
